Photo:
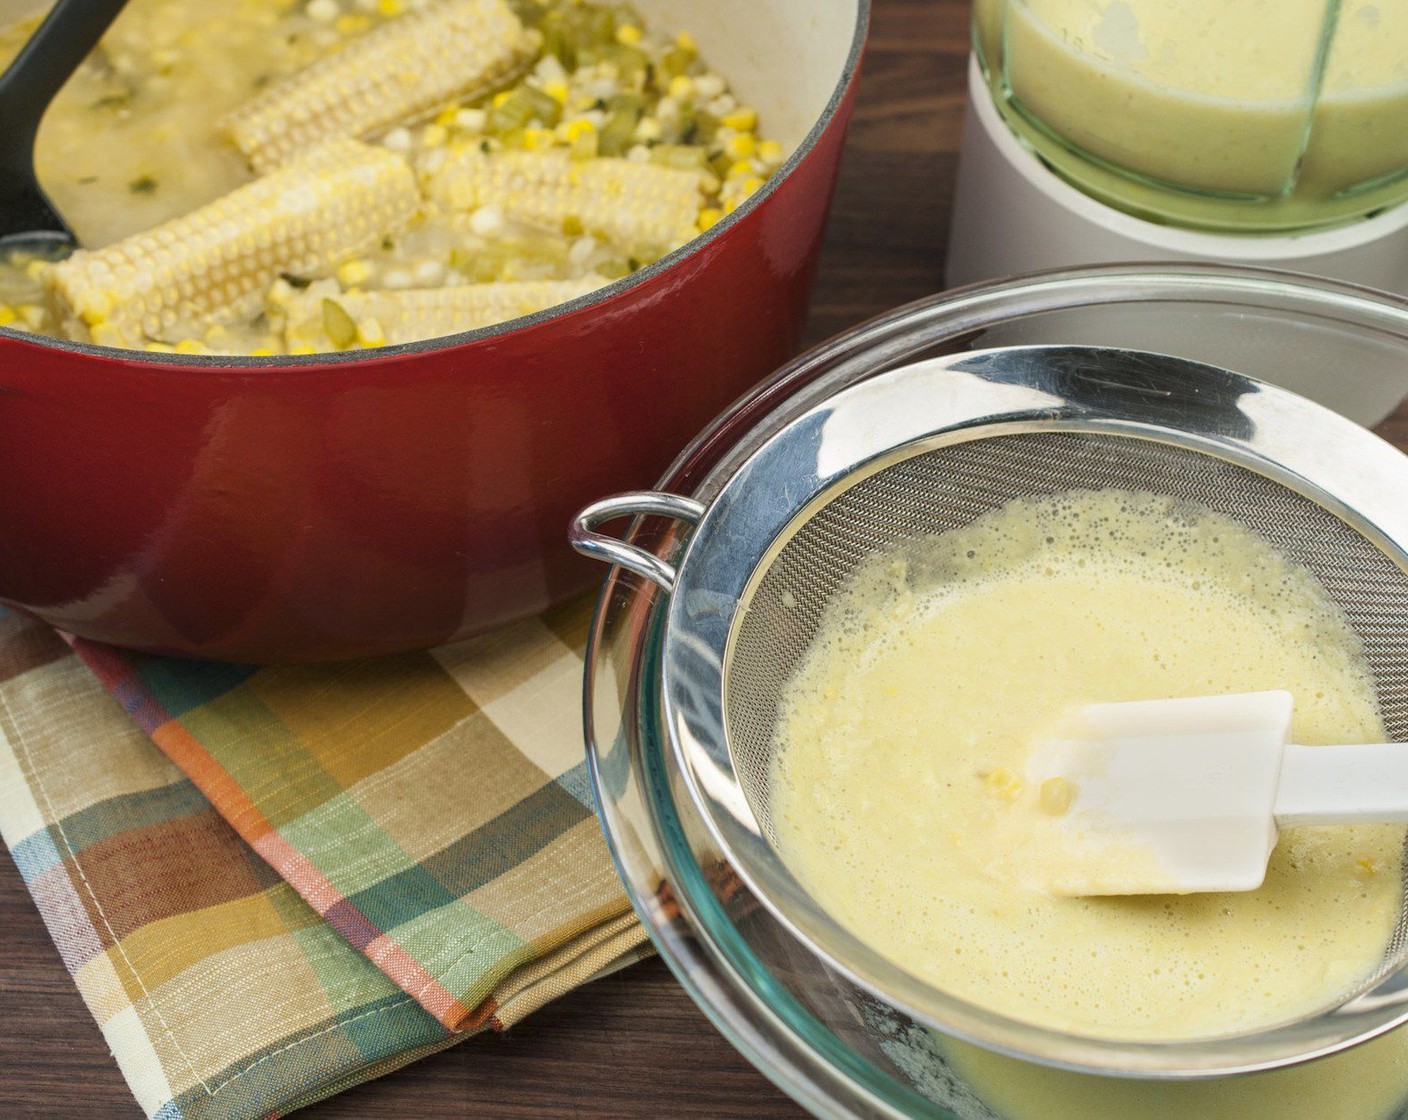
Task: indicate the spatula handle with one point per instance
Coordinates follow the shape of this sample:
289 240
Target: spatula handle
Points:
1360 784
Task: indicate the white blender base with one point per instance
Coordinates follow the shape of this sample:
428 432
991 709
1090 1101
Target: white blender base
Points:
1013 215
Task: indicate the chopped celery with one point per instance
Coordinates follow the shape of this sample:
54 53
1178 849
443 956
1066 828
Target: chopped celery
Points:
680 156
632 64
545 107
627 99
340 326
616 133
597 26
627 13
531 12
676 62
556 40
522 105
704 126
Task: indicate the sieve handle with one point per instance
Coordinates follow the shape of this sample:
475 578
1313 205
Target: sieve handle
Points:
612 550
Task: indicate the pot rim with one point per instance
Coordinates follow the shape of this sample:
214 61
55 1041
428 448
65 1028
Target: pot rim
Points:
178 364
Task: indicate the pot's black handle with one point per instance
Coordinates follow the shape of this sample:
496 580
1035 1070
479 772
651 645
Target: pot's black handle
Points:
63 40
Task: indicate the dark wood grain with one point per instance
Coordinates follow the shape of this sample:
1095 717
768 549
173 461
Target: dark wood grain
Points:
633 1046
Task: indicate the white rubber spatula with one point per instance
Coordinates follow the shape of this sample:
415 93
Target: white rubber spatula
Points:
1179 796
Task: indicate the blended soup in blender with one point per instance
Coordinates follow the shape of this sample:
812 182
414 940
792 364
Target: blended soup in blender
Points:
1295 105
903 734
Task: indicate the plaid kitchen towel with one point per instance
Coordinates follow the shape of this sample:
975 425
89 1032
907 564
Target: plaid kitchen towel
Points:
430 861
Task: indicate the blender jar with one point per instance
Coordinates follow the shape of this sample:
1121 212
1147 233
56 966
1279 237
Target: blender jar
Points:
1234 115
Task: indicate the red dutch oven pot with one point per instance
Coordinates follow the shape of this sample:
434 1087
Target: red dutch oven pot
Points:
310 508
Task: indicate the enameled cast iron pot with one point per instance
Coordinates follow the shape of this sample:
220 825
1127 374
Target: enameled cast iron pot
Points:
307 508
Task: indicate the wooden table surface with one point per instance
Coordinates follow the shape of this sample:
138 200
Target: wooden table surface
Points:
632 1046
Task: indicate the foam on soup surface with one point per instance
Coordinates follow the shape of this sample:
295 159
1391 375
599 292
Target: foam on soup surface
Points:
903 735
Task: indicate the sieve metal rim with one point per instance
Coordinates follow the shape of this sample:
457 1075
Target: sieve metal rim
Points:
840 442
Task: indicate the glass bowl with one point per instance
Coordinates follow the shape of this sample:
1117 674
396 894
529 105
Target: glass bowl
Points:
832 1046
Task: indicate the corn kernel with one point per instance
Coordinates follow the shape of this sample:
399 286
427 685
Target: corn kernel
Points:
434 135
709 216
629 35
190 346
35 269
7 315
390 8
1003 783
397 140
32 315
1056 796
353 23
160 348
94 307
583 143
371 333
743 119
471 120
280 292
685 41
558 91
770 152
353 273
751 185
576 128
500 97
740 169
741 146
105 334
448 115
261 352
538 139
301 350
486 221
681 87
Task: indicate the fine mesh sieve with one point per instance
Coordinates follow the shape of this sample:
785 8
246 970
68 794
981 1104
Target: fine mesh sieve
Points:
937 491
920 451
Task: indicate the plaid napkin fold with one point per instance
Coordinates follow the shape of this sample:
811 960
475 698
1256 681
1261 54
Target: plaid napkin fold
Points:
431 864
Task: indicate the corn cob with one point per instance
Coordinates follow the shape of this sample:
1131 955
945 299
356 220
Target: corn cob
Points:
413 64
645 208
321 320
220 259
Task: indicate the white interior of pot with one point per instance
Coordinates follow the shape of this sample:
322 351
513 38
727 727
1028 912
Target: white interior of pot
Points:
784 57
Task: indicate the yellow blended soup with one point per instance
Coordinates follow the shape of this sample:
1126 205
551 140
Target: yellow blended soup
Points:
903 736
1366 1083
1224 113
